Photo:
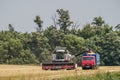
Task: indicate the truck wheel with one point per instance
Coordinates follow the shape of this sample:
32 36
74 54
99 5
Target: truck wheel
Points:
83 68
93 67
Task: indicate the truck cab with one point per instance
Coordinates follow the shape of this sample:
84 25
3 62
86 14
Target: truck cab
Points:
90 61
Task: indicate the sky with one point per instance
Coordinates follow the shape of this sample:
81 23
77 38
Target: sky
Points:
21 13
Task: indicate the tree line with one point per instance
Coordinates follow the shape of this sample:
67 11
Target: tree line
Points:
35 47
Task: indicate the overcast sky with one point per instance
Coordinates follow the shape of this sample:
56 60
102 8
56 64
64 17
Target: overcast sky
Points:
21 13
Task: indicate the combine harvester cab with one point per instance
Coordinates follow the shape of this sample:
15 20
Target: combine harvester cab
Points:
61 59
90 61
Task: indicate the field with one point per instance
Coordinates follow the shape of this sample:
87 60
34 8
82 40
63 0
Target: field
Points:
24 72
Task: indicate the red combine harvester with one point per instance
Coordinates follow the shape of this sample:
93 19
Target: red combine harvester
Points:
61 59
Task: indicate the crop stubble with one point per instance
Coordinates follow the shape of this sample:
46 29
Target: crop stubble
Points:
35 72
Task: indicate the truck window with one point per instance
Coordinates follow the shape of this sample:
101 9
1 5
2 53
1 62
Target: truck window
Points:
87 58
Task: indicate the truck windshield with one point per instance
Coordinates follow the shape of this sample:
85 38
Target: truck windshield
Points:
87 58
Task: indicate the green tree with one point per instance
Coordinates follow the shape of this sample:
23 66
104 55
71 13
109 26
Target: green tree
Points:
27 57
101 31
25 39
87 31
39 43
12 46
4 52
11 28
64 19
74 43
98 21
111 49
54 36
39 22
117 27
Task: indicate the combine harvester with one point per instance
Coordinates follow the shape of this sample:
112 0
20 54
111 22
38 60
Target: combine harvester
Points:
61 59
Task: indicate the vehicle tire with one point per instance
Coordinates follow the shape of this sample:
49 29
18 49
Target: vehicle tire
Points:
83 68
93 67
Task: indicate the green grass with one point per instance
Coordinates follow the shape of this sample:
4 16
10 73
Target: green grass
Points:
104 76
98 76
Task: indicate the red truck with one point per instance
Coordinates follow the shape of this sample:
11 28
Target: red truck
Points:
90 61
